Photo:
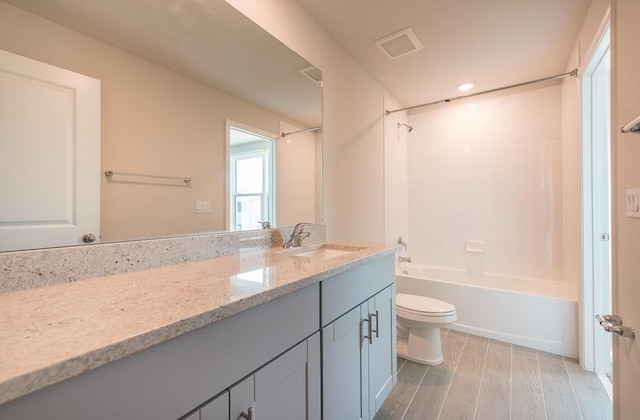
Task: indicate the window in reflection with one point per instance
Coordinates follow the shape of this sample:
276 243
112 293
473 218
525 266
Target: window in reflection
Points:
252 179
255 276
261 277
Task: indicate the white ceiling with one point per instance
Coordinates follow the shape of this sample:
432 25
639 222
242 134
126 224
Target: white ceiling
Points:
207 41
492 42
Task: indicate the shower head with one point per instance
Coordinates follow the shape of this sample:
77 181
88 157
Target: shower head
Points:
409 128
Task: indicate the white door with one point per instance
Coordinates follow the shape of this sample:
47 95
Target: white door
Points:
49 155
626 230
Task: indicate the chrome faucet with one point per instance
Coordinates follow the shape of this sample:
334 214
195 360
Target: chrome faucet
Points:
401 242
404 259
297 236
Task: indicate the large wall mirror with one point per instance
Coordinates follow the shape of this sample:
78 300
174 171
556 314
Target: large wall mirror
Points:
174 79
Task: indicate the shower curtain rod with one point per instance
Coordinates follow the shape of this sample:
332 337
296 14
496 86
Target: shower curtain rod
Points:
573 73
301 131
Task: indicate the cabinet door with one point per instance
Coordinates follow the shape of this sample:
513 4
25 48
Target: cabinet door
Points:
288 388
341 358
281 387
217 409
382 351
241 398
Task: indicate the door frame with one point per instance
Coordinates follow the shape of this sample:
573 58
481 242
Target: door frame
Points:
592 343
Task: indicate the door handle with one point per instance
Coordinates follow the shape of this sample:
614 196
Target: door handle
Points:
249 415
368 336
613 324
88 238
377 323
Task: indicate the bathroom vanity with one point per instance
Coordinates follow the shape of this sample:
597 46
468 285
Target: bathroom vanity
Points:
304 333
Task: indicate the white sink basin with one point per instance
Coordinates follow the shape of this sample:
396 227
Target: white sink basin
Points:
324 251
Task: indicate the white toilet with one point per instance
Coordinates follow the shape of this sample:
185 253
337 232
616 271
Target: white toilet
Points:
419 320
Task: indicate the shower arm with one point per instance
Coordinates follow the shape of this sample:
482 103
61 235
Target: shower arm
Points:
409 128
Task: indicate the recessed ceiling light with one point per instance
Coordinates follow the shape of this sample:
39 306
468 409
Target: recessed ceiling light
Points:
466 86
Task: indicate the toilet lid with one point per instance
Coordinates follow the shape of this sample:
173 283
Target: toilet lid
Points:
423 304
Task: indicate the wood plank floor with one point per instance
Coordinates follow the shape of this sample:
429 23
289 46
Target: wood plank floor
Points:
486 379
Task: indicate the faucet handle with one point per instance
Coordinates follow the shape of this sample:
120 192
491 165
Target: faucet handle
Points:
265 225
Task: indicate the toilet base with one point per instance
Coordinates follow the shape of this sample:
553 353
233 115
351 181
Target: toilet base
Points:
421 346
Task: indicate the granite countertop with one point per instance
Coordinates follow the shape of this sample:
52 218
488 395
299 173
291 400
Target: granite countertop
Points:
53 333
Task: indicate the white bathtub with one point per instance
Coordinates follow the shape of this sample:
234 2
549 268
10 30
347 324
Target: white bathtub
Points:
541 314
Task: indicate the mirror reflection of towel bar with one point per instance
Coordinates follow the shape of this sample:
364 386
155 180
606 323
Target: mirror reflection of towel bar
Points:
632 127
110 173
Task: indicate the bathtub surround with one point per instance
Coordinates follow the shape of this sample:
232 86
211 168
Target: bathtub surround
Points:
45 267
396 199
489 170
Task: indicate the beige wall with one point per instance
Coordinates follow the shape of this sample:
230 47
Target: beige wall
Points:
296 175
572 141
625 64
153 121
353 163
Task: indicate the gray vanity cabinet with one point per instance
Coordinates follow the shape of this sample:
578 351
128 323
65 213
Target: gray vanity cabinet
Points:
358 341
171 379
326 351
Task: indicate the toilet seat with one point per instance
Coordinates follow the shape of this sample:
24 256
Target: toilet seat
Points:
422 305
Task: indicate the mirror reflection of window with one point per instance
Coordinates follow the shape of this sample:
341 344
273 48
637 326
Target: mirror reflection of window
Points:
251 193
252 179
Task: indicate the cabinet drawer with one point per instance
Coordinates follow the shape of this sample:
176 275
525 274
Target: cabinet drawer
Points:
347 290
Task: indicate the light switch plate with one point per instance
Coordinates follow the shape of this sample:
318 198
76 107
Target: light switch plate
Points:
633 202
203 206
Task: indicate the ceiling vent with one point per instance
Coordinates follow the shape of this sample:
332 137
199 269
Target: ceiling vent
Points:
400 43
312 73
